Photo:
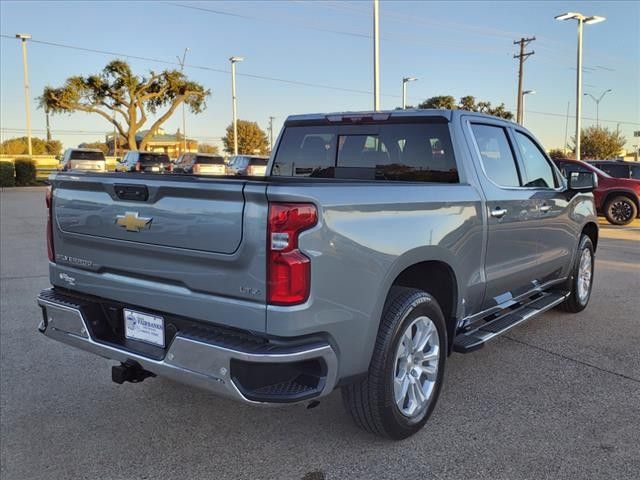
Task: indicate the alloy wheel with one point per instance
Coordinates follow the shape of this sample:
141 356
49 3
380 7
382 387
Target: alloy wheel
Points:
416 366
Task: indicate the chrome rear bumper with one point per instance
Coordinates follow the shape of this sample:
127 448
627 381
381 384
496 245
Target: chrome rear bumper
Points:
187 360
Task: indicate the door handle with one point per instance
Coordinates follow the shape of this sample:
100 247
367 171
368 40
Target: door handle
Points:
545 208
498 212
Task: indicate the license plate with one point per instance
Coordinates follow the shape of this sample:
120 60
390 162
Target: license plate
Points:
155 169
144 327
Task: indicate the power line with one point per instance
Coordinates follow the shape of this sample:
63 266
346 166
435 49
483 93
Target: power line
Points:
260 77
202 67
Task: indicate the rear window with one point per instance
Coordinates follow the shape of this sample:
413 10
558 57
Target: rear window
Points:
400 152
80 155
258 162
210 160
150 157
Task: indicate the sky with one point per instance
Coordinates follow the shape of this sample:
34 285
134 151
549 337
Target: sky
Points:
294 50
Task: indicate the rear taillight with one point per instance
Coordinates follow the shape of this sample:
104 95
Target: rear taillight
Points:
170 168
288 269
196 168
49 203
138 167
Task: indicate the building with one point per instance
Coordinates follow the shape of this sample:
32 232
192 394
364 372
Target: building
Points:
171 144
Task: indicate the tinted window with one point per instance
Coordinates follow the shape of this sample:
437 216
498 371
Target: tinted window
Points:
618 171
537 170
566 167
261 162
496 155
80 155
153 158
306 151
209 160
635 171
413 152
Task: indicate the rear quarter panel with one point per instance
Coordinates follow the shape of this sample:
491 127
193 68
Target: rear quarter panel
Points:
367 234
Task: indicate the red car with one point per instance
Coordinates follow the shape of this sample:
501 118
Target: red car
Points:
618 199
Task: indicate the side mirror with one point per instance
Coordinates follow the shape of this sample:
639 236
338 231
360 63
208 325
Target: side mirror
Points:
582 181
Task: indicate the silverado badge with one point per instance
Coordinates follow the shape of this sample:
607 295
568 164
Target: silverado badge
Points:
132 222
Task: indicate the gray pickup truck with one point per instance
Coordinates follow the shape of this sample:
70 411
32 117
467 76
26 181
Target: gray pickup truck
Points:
377 245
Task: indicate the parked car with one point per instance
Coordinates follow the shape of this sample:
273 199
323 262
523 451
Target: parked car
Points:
618 199
246 165
618 168
150 162
83 159
200 164
382 257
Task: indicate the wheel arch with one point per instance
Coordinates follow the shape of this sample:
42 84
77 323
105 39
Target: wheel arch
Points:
432 270
609 194
438 279
591 230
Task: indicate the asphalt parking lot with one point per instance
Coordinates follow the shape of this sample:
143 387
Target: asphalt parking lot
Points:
558 397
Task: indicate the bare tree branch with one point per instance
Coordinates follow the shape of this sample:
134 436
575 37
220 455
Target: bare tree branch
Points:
152 131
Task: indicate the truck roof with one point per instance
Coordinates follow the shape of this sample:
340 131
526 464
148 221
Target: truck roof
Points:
448 115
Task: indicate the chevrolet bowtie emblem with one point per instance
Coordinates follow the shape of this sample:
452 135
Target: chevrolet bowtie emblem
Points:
132 222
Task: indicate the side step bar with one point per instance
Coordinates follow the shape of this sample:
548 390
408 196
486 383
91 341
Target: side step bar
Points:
476 338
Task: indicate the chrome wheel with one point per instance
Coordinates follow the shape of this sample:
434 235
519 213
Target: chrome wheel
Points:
416 366
584 275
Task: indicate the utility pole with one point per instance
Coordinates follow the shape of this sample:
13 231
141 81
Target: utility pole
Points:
184 120
271 133
115 136
234 99
46 116
376 56
522 56
24 37
566 129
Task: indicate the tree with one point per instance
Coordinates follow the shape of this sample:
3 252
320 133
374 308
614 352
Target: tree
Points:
441 101
251 139
599 143
468 102
123 99
103 147
208 148
558 154
20 146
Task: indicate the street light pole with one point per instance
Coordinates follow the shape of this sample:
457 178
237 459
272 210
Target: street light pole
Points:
524 94
24 37
597 100
582 19
376 56
184 118
271 133
406 80
233 61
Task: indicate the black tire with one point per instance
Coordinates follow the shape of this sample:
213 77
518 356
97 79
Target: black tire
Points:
370 401
620 210
573 303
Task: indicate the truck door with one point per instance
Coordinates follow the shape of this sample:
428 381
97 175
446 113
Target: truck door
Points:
512 251
555 232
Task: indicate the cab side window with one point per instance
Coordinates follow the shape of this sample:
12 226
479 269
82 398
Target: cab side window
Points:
537 170
497 158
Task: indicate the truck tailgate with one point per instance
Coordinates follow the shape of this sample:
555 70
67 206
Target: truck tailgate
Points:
183 245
